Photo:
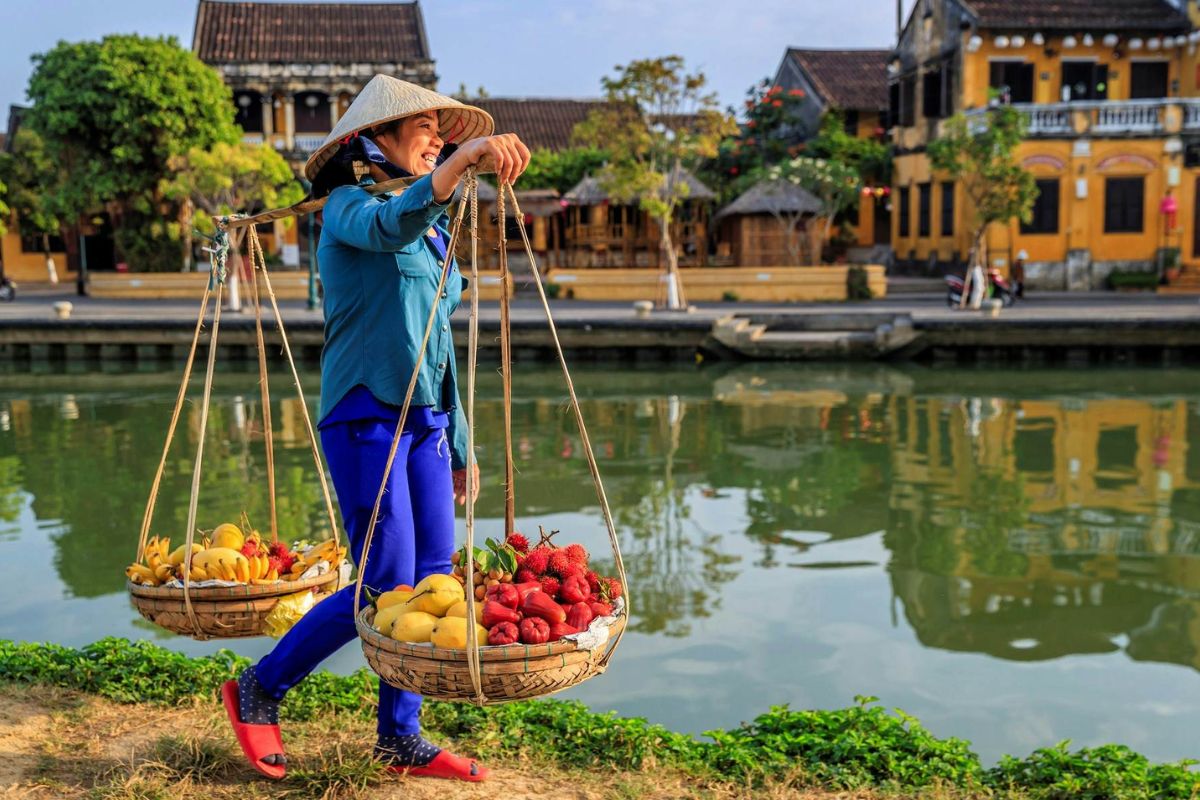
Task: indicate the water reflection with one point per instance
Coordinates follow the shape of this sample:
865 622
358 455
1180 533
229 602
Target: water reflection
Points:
1018 523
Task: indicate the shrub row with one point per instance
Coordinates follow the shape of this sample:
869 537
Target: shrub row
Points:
857 747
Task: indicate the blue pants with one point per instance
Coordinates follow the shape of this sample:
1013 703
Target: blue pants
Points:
414 538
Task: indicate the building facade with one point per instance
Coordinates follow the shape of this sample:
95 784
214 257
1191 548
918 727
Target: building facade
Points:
294 69
854 84
1109 91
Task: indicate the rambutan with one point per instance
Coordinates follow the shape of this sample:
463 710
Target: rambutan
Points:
525 575
250 549
578 555
517 542
614 587
550 586
537 560
593 581
560 563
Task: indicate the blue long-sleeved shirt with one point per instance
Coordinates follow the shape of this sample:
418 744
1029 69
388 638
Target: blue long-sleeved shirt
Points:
380 272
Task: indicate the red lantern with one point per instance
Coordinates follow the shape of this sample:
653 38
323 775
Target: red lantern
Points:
1169 207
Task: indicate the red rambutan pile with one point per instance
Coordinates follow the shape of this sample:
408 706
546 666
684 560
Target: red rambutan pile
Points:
525 575
578 555
550 586
560 563
517 542
537 560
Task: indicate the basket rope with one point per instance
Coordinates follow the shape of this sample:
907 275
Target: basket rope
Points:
227 239
470 199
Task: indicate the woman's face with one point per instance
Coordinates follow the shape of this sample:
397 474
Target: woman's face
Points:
414 145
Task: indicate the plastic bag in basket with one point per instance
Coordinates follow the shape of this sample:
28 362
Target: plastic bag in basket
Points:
287 612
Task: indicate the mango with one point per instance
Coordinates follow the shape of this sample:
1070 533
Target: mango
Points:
180 553
459 609
415 626
384 618
451 633
228 535
393 598
436 593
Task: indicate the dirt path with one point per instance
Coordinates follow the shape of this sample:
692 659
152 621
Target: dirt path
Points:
58 744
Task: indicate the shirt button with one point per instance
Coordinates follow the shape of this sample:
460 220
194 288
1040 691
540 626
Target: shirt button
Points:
445 326
445 294
441 263
442 366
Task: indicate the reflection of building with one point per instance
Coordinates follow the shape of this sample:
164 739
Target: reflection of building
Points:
1109 92
1040 528
294 68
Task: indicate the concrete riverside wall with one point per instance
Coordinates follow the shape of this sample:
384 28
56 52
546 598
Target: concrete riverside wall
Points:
190 285
710 284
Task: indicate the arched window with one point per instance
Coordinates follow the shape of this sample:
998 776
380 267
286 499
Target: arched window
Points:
249 113
312 112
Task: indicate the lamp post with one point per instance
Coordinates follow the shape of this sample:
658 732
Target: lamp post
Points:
82 279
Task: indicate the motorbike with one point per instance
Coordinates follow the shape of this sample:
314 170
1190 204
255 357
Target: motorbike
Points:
997 286
8 290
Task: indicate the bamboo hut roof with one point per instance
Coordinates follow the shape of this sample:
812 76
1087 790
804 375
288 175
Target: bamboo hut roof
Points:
589 192
539 202
772 197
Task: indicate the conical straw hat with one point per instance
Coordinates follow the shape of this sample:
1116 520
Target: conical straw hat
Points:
385 99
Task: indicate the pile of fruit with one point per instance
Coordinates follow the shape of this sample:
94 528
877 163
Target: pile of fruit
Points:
549 593
232 553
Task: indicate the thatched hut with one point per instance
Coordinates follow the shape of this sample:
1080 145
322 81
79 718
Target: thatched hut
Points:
604 233
770 225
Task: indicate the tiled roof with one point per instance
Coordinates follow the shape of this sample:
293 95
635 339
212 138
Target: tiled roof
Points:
852 80
309 33
539 121
1081 15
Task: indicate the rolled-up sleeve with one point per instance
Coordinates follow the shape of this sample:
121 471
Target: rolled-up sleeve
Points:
356 218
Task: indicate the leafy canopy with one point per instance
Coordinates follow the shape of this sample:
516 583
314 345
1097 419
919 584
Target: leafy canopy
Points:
773 130
659 119
230 178
30 177
982 157
562 169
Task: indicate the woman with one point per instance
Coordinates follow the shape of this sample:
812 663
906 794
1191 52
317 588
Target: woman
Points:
381 258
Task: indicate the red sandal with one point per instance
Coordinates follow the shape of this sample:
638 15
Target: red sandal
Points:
257 741
449 766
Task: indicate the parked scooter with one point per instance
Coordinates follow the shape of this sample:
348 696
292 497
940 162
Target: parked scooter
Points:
8 289
996 286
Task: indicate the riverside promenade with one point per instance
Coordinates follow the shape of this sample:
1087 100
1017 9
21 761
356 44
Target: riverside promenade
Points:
1048 327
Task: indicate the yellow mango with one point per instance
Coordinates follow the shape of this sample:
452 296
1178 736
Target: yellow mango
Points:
415 626
179 553
384 618
451 633
228 535
459 609
436 593
393 598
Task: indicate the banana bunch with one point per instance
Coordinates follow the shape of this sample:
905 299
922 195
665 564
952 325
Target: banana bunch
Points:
220 563
155 567
327 551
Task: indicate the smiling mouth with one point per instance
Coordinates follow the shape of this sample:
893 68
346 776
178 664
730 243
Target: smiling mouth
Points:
430 159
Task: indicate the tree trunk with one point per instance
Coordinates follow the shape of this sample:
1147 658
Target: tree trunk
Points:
51 270
973 256
675 298
185 222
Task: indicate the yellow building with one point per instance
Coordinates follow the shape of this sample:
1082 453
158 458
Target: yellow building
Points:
1109 90
854 84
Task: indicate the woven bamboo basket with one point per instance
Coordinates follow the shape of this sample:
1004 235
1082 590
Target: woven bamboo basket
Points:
222 612
507 673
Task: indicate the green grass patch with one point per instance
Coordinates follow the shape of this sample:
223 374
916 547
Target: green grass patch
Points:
864 746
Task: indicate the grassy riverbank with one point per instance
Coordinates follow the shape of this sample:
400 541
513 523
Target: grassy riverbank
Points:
119 720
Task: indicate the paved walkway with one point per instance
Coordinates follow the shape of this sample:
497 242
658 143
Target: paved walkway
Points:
1084 307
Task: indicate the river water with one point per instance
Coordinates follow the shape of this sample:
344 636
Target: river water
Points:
1009 555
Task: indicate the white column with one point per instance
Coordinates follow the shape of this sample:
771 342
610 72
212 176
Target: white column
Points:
268 117
333 111
289 119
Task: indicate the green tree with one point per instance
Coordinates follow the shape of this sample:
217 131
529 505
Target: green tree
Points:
31 177
833 183
227 179
112 114
773 130
982 158
870 157
561 169
659 122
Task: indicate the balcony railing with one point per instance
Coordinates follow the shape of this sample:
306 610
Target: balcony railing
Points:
309 142
1105 117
